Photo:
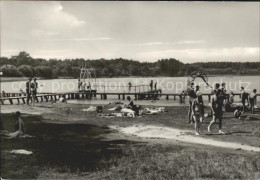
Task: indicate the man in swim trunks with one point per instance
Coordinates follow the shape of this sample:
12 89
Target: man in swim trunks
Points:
216 106
192 96
244 98
198 112
252 100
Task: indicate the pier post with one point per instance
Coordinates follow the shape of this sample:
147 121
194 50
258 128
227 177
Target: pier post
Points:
167 97
11 101
123 96
23 100
46 98
209 97
135 96
118 96
41 99
18 100
174 97
2 101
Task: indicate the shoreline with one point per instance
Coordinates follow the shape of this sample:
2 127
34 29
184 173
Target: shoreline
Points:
12 79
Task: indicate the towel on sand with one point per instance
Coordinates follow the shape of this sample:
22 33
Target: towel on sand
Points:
21 151
91 108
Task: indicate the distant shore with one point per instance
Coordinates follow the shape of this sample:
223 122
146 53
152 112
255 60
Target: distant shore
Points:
12 79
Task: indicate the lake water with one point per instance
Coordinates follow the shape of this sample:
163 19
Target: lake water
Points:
167 84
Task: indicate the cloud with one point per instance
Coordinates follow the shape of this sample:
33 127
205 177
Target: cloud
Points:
206 54
81 39
192 42
169 43
25 20
52 15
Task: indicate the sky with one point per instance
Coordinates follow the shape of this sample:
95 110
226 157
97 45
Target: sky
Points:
143 31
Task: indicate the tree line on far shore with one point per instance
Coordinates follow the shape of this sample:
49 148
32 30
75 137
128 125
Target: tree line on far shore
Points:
23 65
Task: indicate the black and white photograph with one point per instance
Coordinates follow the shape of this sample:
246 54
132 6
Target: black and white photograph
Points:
134 90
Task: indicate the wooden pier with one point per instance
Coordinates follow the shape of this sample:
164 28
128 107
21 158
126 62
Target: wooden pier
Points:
41 97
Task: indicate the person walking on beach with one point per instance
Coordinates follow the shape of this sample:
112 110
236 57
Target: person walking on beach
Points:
151 85
28 90
244 97
217 113
252 101
34 86
129 86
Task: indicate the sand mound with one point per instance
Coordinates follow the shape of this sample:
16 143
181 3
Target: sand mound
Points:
150 131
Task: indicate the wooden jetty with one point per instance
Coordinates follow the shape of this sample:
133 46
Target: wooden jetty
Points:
21 98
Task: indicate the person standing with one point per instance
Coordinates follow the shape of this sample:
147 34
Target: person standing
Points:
129 86
34 86
28 90
79 84
151 85
244 97
155 86
197 112
252 100
217 112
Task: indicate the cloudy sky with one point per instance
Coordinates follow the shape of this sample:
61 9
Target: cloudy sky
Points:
145 31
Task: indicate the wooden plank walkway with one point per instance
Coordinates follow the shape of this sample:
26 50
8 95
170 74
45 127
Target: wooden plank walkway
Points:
21 98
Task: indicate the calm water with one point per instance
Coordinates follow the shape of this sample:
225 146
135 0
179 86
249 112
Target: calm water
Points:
167 84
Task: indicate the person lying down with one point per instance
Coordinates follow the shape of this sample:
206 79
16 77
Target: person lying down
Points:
19 129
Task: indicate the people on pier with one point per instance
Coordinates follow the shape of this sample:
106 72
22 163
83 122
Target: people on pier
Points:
151 85
129 86
155 86
28 91
34 86
3 94
79 84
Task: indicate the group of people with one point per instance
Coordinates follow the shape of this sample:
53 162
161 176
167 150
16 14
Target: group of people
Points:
83 86
153 86
31 90
219 99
